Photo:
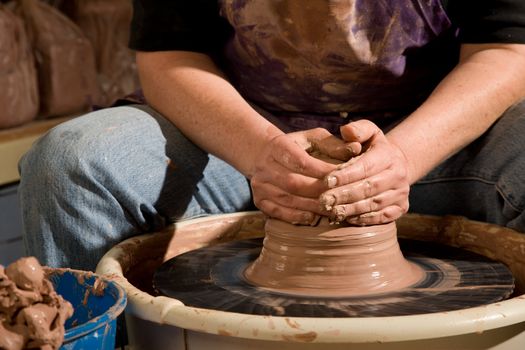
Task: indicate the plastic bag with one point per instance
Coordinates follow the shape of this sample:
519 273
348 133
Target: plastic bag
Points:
106 23
64 57
18 81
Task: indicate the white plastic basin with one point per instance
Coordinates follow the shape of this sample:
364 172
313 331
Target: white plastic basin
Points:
165 323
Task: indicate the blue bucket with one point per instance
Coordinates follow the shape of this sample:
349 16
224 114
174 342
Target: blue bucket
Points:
94 321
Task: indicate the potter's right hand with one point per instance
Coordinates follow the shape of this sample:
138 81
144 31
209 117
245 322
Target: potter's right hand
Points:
372 188
287 181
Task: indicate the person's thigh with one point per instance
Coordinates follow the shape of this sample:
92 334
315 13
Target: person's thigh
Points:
485 181
111 174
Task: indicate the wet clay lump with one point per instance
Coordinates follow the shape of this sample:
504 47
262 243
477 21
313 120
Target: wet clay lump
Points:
32 314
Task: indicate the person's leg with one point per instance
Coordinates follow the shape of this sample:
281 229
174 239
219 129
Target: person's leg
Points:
485 181
103 177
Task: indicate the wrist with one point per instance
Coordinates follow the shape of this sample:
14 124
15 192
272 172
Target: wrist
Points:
411 170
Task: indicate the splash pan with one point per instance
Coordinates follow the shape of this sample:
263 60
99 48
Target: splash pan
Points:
159 322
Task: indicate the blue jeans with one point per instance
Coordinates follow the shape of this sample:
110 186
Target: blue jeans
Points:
485 181
93 181
98 179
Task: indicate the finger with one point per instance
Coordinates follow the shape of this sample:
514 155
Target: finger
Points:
369 205
333 147
295 158
290 182
374 160
294 216
383 216
363 189
285 199
360 131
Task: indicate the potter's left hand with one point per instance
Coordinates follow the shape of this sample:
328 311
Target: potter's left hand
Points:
373 187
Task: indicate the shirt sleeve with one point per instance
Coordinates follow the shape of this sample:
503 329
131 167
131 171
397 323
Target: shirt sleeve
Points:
488 21
188 25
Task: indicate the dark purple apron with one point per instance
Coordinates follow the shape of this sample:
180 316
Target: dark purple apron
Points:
312 62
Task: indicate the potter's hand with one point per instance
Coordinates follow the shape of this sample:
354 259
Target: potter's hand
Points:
373 187
287 181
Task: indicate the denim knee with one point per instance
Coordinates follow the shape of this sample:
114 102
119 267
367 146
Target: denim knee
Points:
74 204
47 175
52 157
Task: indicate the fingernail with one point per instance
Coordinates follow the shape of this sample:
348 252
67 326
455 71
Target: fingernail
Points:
331 181
327 201
355 220
339 213
315 220
307 218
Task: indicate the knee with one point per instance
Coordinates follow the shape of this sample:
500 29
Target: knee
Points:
55 154
67 155
77 147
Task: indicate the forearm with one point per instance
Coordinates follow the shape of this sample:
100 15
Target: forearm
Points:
488 80
191 92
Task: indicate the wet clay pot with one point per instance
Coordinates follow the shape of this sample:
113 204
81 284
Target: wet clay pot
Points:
331 260
157 322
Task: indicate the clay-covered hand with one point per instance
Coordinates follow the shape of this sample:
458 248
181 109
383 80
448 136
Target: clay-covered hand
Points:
371 188
287 181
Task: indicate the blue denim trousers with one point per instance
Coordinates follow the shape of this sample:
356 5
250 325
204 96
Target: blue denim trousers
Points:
485 181
93 181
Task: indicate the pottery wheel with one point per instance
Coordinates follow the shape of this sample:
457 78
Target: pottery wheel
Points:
212 278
